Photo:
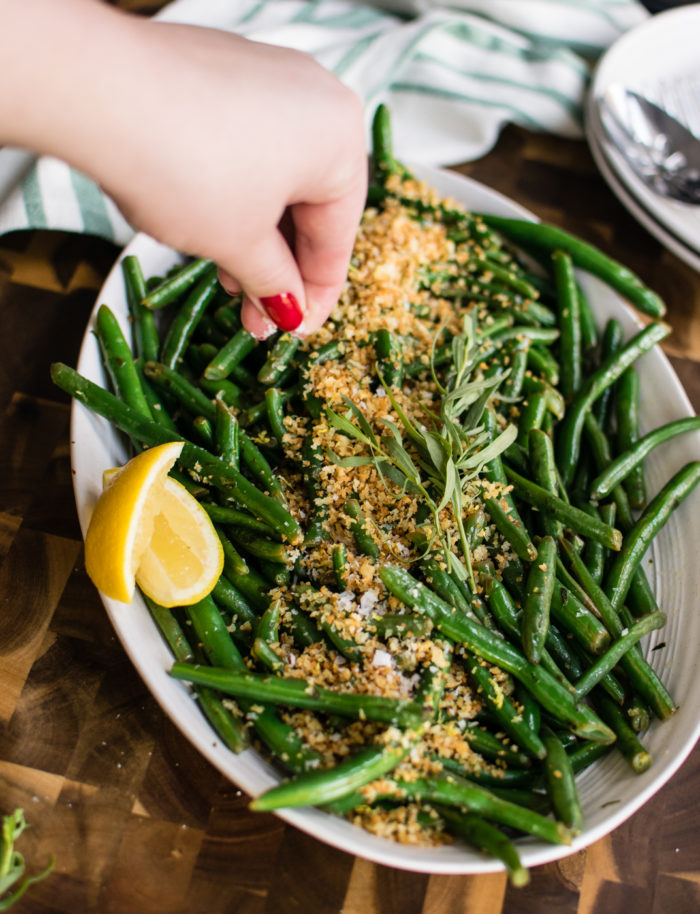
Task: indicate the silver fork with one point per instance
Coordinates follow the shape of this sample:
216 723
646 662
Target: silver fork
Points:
679 96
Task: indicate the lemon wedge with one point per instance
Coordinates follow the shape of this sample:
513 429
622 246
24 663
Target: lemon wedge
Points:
147 529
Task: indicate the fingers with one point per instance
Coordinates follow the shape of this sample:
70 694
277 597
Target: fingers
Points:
267 273
296 291
324 238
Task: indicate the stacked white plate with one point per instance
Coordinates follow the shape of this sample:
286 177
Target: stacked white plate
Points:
659 59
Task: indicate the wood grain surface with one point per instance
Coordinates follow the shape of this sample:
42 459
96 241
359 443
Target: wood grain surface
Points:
137 820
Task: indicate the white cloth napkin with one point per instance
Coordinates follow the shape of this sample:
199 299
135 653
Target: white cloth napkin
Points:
452 75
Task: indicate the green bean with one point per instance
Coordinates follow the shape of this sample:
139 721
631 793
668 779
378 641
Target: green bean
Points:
496 748
227 316
500 505
383 160
233 601
226 435
544 473
300 693
577 619
143 325
513 384
589 331
224 514
620 647
594 554
203 430
174 286
391 625
532 312
226 390
260 469
455 791
156 403
278 359
611 343
231 354
319 788
505 276
489 840
322 787
641 676
650 522
570 516
260 546
532 413
561 787
542 362
509 718
569 323
340 558
585 256
360 530
627 741
583 756
627 421
508 617
443 584
274 404
555 401
569 437
540 586
170 629
187 318
389 358
618 470
313 602
267 634
637 714
208 333
188 396
119 362
312 460
226 724
544 335
551 694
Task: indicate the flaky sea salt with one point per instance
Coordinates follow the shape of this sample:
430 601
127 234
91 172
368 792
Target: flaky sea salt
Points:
368 601
382 658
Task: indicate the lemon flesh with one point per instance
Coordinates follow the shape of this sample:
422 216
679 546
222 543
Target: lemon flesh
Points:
146 528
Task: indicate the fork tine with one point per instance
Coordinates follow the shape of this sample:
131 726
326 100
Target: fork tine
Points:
681 98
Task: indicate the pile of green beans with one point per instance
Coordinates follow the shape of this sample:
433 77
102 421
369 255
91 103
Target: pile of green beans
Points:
545 627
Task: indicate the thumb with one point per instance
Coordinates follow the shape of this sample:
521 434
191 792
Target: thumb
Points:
268 275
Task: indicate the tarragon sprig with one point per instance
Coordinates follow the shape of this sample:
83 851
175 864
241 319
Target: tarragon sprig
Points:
449 455
12 862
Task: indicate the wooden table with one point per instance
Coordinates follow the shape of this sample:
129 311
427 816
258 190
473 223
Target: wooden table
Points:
138 821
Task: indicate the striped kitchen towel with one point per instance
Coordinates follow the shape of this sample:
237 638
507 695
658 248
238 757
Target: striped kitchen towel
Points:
452 74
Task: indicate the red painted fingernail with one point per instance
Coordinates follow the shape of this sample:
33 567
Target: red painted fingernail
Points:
284 310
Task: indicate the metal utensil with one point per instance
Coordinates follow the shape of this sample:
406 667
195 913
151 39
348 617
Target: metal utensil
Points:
660 150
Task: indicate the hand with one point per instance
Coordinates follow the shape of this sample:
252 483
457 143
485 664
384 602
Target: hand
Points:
246 153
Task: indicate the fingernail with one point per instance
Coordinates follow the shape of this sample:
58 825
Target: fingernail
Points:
284 310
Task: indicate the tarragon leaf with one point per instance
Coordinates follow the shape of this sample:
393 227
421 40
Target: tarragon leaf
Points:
345 462
400 457
344 425
397 477
438 450
495 448
361 420
451 484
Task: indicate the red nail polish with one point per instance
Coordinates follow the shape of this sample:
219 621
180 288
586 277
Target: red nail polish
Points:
284 310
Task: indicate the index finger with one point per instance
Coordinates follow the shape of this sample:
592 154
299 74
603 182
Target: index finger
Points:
324 238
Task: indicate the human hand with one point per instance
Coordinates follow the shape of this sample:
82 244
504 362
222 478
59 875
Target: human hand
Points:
248 154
